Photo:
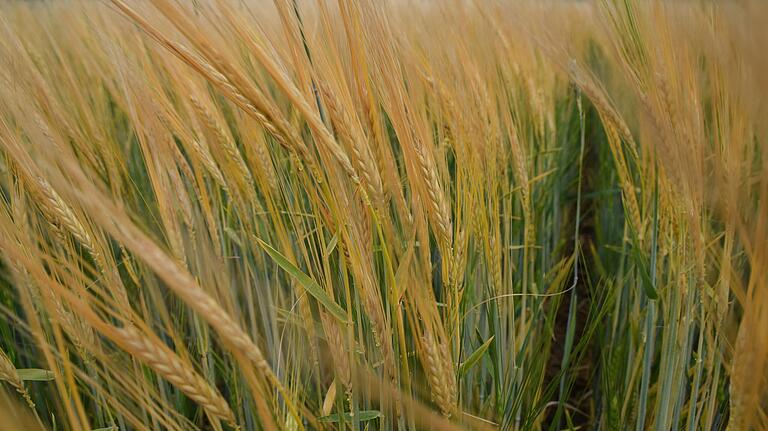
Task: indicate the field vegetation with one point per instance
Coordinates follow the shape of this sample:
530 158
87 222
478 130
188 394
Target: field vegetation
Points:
337 214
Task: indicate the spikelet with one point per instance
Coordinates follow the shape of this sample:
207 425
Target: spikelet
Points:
55 210
256 105
441 378
495 255
602 104
8 374
616 131
197 149
386 163
225 325
439 210
77 329
361 154
230 150
61 215
375 312
275 125
185 205
177 278
627 188
255 141
202 153
81 334
168 365
336 345
520 172
458 262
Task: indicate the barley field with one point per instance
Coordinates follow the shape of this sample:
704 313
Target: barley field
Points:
383 215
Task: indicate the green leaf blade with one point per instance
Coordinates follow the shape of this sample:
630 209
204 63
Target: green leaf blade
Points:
34 374
362 416
475 357
307 282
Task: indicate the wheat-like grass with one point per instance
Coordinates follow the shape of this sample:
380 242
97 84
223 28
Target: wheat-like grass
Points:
384 215
242 174
161 359
361 157
435 199
8 374
440 374
338 351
